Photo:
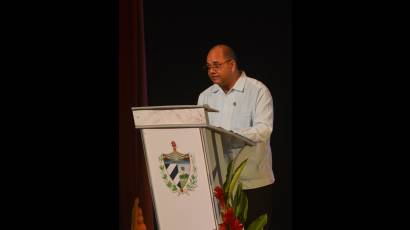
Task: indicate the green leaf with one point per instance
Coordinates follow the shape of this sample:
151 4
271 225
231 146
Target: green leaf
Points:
259 223
237 199
245 208
241 206
184 176
228 178
235 177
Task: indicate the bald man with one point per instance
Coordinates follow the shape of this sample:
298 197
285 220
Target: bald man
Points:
245 106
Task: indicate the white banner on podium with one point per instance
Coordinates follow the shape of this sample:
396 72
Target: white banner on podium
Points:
179 179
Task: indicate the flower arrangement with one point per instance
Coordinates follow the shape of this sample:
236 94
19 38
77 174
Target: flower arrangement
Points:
234 203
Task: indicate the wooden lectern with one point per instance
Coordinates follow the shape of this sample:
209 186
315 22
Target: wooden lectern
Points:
185 161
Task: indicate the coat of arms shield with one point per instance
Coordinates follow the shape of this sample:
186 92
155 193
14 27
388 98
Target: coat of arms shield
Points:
178 171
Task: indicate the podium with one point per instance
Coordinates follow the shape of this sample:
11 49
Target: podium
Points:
185 161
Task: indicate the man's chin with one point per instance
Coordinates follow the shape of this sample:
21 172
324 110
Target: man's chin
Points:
216 81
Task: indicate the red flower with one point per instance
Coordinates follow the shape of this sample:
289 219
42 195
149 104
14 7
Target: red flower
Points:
228 217
222 226
219 194
231 221
236 225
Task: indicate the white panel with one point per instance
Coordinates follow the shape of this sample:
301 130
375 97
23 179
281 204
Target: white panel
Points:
190 209
169 117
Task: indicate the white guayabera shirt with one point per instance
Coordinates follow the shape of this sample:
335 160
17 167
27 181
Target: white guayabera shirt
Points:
246 109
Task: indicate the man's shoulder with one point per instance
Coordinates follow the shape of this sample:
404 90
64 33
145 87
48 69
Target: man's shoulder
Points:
208 90
255 83
206 94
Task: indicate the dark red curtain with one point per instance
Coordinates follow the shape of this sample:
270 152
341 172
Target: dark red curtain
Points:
133 178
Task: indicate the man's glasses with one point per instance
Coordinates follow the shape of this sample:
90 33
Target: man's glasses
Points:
215 65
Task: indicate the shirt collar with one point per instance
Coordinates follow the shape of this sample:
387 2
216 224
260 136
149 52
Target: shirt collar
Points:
240 83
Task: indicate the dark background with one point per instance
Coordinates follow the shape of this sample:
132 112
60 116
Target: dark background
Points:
60 104
178 37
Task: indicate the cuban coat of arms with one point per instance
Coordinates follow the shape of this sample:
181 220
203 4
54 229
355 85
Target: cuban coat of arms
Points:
178 171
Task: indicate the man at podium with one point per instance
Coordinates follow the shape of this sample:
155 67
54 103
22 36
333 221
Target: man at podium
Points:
245 106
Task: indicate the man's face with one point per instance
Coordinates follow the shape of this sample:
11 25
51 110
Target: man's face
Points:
219 68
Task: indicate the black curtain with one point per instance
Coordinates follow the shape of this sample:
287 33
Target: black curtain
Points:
133 178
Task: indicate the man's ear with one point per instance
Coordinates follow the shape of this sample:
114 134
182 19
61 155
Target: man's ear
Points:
234 65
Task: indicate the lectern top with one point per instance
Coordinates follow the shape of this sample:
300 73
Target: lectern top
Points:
167 107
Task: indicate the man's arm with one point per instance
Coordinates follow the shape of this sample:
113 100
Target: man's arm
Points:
200 99
263 119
